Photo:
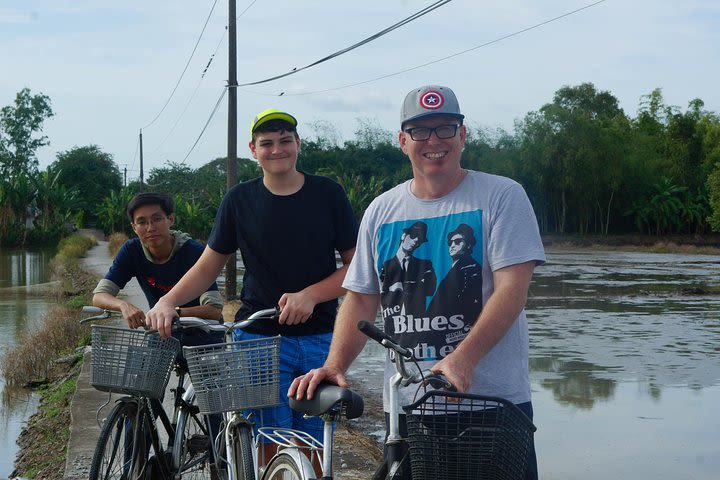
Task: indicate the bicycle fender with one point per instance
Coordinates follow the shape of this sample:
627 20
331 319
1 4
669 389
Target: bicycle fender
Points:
301 460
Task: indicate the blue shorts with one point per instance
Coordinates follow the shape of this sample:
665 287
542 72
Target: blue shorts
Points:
298 355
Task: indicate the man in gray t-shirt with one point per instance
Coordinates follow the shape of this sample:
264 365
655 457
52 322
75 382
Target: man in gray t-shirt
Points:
485 352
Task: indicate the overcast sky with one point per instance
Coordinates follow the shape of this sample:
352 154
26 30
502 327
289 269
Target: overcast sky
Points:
109 67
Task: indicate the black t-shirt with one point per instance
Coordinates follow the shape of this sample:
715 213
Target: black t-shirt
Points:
287 243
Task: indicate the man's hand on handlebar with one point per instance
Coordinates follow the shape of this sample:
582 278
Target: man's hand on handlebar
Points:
134 316
456 370
295 308
160 318
305 385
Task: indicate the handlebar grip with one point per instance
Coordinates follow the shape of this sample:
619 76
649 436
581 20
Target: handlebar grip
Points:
383 338
373 332
91 309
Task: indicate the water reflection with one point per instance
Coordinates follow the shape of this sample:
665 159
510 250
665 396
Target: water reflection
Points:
24 267
574 382
598 318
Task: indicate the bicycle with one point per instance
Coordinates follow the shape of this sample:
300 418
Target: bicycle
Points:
234 377
491 433
138 364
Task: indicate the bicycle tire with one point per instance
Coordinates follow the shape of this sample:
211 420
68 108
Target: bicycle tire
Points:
111 459
283 467
193 443
242 452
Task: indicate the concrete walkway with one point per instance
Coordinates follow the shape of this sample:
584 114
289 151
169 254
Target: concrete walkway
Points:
84 430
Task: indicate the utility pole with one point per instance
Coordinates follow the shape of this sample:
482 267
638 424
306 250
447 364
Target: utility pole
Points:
230 267
142 183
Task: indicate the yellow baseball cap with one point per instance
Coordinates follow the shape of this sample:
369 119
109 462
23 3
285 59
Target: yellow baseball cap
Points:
271 114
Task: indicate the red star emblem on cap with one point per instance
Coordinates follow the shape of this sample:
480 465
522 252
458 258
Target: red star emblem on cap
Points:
431 100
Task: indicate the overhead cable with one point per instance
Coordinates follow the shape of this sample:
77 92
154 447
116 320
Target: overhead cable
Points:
505 37
212 114
186 67
409 19
192 97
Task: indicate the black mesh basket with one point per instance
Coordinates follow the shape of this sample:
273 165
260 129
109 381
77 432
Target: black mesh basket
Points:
469 437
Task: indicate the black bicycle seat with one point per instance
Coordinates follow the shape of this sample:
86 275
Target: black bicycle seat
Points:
326 397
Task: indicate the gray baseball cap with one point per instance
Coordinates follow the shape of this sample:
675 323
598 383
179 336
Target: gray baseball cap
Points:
429 100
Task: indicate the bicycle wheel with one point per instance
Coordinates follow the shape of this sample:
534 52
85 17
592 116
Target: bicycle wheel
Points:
242 452
193 443
113 453
283 467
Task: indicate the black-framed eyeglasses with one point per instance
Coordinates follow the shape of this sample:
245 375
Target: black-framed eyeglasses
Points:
442 132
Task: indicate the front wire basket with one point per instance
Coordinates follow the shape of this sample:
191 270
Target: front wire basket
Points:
233 376
134 362
467 437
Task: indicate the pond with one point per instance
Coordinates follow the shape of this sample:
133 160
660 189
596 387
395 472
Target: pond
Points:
624 365
18 312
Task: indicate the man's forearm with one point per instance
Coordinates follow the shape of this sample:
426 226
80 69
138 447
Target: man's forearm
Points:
107 301
196 280
330 287
348 341
499 313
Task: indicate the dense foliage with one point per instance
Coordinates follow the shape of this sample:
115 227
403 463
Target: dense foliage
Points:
588 168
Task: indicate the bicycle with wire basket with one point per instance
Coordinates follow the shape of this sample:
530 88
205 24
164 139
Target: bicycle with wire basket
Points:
138 364
235 377
451 435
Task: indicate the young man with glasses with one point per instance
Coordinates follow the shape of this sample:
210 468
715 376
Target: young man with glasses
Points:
485 353
157 258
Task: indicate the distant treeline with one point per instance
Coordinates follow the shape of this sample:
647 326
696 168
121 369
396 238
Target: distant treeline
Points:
588 168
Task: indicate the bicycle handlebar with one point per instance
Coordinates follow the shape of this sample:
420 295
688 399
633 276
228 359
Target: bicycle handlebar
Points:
404 354
191 322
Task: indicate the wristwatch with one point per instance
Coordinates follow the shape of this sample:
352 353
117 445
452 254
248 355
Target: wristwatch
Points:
177 311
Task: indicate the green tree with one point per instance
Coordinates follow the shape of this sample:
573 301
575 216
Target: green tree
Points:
20 125
111 212
90 172
55 203
571 151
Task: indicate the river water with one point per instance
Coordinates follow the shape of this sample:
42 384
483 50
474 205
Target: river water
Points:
18 313
624 359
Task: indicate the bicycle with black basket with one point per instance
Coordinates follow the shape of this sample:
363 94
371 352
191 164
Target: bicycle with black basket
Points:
138 364
236 377
451 435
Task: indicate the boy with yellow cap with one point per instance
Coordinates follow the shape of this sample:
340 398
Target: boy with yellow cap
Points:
287 225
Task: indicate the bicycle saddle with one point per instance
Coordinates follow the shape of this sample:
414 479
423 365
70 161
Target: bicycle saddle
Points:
326 397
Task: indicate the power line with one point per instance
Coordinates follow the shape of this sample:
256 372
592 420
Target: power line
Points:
186 67
409 19
197 87
497 40
212 114
192 96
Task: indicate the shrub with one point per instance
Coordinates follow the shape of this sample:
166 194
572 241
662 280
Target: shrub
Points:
115 241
